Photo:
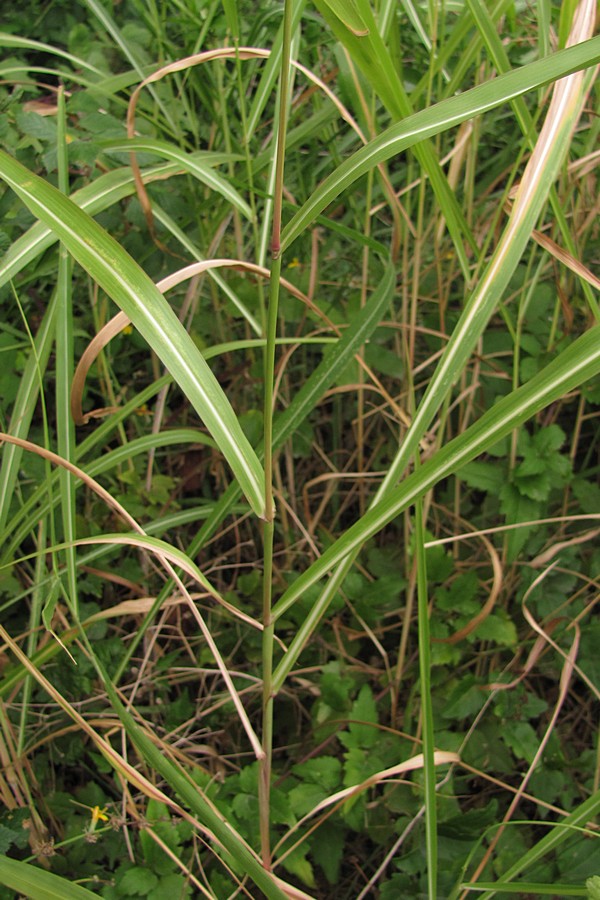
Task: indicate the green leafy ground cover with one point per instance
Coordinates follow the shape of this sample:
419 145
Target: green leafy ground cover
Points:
389 687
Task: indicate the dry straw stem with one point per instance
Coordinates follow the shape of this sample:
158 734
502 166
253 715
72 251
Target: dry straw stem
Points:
118 763
564 257
163 553
129 774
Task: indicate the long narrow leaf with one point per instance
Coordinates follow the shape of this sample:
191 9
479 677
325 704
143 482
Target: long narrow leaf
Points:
585 812
305 400
189 162
439 118
93 198
128 285
372 55
35 882
24 407
574 366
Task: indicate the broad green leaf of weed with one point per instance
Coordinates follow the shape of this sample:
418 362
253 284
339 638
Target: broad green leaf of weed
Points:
13 832
439 562
592 886
336 686
580 859
532 479
522 739
471 823
547 785
297 864
486 749
547 596
465 699
383 361
159 818
248 778
327 849
173 885
136 882
281 813
483 476
34 125
399 885
443 654
245 807
460 597
496 627
364 710
304 797
325 771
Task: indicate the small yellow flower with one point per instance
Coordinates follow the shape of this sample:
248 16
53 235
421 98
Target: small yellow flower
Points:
98 815
128 329
295 262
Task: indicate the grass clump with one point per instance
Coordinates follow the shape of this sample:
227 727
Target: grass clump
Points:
298 490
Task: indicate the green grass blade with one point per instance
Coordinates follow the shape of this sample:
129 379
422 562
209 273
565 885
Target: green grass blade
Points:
574 366
347 12
161 216
21 43
231 14
32 881
372 55
93 198
189 162
115 32
65 428
270 72
439 118
427 725
538 177
333 362
123 280
336 358
191 796
585 812
527 888
498 54
24 407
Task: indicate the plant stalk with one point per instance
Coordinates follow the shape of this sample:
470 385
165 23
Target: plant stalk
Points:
268 527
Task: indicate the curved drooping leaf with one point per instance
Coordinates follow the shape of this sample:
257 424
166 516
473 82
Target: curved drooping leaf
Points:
198 164
133 291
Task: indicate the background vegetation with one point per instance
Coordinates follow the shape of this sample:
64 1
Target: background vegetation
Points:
299 561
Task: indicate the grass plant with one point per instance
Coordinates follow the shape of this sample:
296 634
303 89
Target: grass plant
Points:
299 474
